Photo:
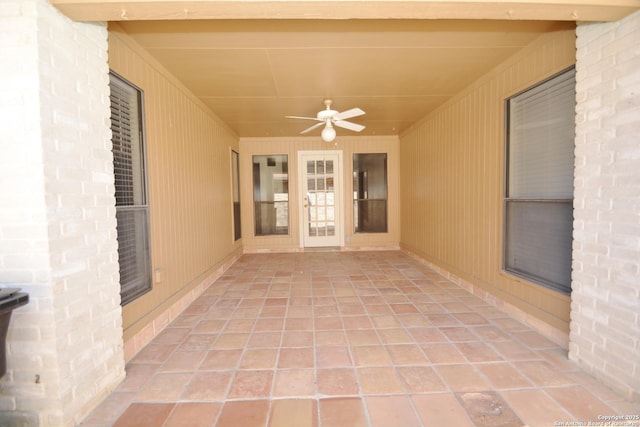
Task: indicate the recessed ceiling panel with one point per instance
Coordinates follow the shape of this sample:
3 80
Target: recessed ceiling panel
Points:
381 72
220 72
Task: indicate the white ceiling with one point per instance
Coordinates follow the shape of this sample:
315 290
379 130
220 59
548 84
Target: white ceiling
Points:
252 73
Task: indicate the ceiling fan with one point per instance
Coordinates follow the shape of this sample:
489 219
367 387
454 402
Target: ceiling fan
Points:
329 118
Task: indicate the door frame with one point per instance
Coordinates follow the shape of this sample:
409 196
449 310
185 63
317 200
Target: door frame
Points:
339 197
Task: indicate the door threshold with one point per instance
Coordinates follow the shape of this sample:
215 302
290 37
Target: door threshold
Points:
323 249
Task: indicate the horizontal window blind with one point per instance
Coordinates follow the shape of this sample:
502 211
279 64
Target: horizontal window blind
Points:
542 122
539 236
539 188
127 151
132 212
133 253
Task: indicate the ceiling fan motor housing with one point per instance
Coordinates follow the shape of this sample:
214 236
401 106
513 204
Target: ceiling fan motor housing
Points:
326 114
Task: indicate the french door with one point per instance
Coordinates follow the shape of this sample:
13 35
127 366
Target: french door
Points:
321 198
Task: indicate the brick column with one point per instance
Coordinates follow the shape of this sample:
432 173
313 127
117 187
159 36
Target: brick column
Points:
605 308
57 216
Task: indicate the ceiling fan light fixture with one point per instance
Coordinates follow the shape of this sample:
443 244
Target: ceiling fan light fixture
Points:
328 133
328 118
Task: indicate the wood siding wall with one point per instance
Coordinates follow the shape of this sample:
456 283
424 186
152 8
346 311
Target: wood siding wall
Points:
453 180
290 146
189 182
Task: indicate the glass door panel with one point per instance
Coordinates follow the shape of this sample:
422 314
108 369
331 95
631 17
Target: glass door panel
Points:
320 221
320 198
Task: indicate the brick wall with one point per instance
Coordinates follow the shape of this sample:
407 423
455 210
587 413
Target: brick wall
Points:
605 309
57 216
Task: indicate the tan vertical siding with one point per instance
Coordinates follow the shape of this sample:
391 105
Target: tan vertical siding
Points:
189 182
290 146
452 180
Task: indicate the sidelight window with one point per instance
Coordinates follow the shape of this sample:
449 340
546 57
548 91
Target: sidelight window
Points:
271 195
235 178
370 193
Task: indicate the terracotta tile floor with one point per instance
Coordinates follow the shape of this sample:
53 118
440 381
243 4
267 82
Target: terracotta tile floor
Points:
349 339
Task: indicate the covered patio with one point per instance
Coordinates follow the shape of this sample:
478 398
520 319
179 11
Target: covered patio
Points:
418 324
335 338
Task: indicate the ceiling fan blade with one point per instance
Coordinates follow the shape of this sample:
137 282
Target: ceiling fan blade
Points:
348 125
303 118
317 125
354 112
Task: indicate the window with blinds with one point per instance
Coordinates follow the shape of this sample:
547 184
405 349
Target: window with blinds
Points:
539 183
132 210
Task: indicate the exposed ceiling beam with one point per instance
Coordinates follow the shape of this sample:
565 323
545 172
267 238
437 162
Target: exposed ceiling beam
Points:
555 10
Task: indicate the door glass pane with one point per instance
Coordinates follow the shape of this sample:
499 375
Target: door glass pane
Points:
370 193
271 195
322 214
320 198
330 183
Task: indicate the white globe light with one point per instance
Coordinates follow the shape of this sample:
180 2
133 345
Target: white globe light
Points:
328 134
